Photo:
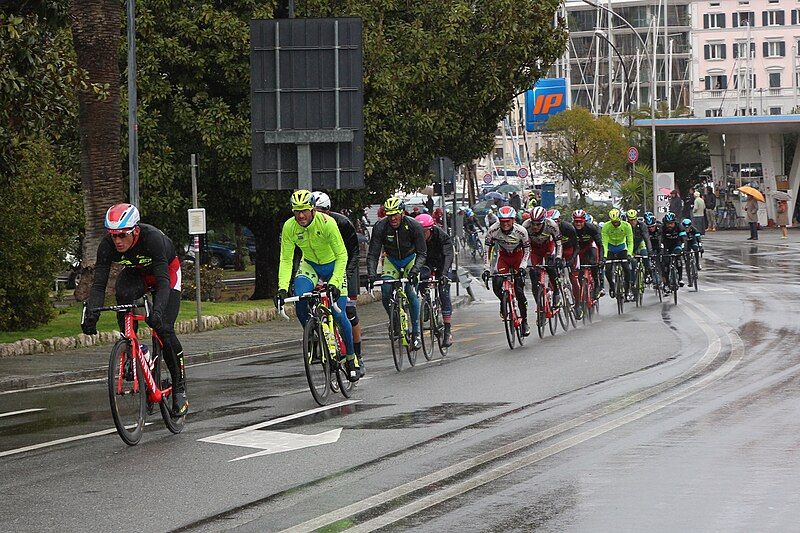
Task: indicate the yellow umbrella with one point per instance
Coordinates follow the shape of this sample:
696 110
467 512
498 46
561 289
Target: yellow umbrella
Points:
750 191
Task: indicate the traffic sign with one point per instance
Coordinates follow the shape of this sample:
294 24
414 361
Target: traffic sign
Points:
487 178
522 172
633 154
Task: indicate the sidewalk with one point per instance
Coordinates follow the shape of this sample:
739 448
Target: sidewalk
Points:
26 371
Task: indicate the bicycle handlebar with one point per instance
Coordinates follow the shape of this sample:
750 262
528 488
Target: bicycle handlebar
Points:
390 282
304 296
118 308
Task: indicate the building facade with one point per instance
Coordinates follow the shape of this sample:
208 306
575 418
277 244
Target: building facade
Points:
745 57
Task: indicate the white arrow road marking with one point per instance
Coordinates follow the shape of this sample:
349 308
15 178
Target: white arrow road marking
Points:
12 413
270 442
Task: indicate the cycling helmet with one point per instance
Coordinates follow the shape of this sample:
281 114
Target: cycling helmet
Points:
526 215
623 217
302 200
426 220
614 214
121 218
579 214
649 219
632 214
394 205
648 214
321 200
507 212
589 218
554 214
669 217
469 212
538 214
686 222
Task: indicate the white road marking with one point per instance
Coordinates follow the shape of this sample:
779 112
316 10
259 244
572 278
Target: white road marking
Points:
60 441
13 413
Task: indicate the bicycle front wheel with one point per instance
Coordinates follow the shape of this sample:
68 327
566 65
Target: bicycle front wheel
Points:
316 360
127 393
163 379
396 336
427 327
619 282
541 316
508 320
411 353
638 287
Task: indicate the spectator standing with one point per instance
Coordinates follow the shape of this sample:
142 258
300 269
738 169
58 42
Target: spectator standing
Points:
751 208
675 203
429 203
710 200
698 213
515 201
688 203
782 218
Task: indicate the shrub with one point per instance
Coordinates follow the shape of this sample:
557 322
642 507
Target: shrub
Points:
210 282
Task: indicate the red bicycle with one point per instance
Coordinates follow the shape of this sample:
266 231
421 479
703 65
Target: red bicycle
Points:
587 298
131 400
543 294
509 308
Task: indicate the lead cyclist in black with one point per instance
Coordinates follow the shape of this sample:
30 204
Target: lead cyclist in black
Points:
151 265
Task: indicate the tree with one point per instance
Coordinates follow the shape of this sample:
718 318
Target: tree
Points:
587 151
685 154
96 36
637 187
438 76
38 208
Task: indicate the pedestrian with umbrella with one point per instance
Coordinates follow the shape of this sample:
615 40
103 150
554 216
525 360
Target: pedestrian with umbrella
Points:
751 208
782 212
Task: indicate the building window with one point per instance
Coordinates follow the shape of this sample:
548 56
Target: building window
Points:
773 18
714 112
713 20
740 49
795 16
739 81
774 49
743 112
715 51
774 110
745 18
774 80
716 82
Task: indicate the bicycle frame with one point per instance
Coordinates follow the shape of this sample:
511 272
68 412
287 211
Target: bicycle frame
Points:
400 297
509 287
545 282
320 307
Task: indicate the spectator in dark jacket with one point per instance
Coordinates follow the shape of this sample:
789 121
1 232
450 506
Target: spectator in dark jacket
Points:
675 203
711 206
515 201
688 204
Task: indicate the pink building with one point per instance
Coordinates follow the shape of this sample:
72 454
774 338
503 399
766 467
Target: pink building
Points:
745 57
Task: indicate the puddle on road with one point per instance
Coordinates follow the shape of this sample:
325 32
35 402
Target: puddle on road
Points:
428 416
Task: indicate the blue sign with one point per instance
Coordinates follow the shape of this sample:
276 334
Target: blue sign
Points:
547 98
548 195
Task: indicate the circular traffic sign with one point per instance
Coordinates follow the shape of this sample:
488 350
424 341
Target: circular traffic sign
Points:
633 154
487 178
522 172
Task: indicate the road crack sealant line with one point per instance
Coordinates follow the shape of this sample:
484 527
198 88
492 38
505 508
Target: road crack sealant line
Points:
712 352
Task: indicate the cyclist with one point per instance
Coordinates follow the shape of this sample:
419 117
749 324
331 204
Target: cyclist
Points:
693 240
472 227
151 265
401 239
322 203
641 241
673 240
439 260
513 252
491 216
324 257
617 244
545 248
590 244
569 248
654 234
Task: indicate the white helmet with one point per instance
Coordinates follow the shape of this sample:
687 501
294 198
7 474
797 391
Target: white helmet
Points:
321 200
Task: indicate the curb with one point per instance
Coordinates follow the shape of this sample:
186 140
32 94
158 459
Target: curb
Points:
74 376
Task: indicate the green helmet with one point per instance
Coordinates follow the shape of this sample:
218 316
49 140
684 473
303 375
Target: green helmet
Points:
301 200
394 205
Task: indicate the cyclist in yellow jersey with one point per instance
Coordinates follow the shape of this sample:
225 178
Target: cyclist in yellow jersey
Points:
324 258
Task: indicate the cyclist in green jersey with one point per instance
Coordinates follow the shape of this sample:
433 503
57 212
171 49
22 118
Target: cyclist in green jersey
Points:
324 258
617 238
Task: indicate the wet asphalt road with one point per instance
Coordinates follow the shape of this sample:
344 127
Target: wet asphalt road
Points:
668 418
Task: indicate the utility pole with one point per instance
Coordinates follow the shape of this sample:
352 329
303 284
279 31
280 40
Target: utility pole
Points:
133 125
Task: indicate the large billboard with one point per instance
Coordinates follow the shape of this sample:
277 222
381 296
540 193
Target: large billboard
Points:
548 97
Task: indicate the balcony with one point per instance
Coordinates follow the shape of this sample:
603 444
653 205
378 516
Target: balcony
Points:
733 94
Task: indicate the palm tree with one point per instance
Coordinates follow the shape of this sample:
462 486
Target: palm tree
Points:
96 37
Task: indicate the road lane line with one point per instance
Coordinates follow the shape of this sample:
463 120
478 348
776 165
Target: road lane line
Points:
711 353
60 441
13 413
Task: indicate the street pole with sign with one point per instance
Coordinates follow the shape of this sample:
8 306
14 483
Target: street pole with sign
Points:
197 227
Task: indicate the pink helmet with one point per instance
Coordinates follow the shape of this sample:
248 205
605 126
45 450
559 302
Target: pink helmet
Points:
121 218
426 220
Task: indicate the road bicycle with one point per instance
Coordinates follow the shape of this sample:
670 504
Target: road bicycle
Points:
546 313
324 350
619 282
589 303
638 277
567 314
656 276
137 383
399 322
673 277
509 308
431 323
690 259
475 245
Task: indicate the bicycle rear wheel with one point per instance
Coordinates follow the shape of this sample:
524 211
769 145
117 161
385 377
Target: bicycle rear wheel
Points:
316 360
163 379
541 317
673 283
127 393
427 327
638 286
508 320
693 263
396 335
411 353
